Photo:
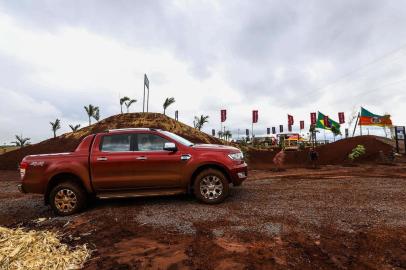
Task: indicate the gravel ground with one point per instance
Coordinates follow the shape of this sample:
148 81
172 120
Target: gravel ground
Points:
333 218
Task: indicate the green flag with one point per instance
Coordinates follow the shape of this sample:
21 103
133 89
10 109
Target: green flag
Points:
320 122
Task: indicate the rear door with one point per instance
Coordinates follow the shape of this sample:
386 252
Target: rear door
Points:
112 162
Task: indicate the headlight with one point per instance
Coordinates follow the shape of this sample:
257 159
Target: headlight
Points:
236 156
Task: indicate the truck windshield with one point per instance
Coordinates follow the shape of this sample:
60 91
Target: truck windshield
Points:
178 138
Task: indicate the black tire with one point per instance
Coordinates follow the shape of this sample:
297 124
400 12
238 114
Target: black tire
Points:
67 190
211 196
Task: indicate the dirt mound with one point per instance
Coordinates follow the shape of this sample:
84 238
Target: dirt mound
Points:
68 142
329 154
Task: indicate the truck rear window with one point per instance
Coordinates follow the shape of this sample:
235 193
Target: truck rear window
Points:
116 143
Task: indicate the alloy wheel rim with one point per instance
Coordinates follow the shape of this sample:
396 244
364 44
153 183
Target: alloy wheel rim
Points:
211 187
65 200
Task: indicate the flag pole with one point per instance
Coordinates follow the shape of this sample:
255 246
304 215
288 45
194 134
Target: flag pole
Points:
356 123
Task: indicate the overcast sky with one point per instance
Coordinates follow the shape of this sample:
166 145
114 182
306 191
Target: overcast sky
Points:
275 56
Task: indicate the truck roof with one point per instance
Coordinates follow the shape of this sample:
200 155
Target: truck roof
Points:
132 129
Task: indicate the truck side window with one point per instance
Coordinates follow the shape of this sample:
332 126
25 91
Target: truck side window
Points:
150 142
116 143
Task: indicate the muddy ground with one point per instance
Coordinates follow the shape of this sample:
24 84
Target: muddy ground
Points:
332 218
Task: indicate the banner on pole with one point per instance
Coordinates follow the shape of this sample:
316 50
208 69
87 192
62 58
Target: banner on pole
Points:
313 118
341 118
247 132
176 115
280 128
301 124
268 131
254 116
213 132
290 120
273 130
326 121
223 115
290 128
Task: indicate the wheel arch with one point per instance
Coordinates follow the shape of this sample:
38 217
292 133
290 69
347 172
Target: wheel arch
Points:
62 177
206 166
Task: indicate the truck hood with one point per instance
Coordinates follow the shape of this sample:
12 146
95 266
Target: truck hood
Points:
215 147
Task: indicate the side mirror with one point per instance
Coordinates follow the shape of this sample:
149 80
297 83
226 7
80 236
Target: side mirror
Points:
170 146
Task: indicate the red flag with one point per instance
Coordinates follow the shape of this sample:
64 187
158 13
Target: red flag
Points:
223 115
341 117
254 116
313 118
290 120
302 124
326 121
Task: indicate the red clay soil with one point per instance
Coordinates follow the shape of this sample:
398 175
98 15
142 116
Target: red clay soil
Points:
68 142
329 154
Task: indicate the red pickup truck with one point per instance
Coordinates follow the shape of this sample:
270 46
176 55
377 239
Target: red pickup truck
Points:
132 162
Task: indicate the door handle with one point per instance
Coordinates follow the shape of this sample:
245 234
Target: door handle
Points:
142 158
101 159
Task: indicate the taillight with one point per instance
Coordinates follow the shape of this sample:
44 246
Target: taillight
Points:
23 167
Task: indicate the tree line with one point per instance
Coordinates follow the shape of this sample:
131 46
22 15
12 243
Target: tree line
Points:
93 112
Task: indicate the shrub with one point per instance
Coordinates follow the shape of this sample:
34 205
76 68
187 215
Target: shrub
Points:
357 152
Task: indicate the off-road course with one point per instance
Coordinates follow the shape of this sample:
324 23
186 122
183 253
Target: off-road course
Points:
334 217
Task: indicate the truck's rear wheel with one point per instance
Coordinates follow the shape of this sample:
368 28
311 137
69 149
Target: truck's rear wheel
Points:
211 186
67 198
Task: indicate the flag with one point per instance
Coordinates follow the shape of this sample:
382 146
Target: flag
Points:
326 122
247 132
302 124
290 120
341 118
369 119
254 116
313 119
213 132
273 130
223 115
290 128
146 81
280 128
268 131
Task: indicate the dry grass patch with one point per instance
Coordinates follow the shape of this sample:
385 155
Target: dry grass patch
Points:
20 249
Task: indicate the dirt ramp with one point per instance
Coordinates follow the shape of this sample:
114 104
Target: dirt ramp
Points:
329 154
68 141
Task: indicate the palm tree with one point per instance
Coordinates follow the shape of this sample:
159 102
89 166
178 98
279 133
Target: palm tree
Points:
74 128
227 135
21 141
122 101
128 104
168 102
220 134
336 131
96 114
91 112
55 126
200 121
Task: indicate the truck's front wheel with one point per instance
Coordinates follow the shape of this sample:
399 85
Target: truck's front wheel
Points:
67 198
211 186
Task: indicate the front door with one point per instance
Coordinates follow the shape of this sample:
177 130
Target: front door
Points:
156 168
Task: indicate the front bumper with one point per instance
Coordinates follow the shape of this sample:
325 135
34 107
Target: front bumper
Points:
239 174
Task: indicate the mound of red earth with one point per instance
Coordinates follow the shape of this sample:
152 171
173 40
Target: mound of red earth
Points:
68 142
329 154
